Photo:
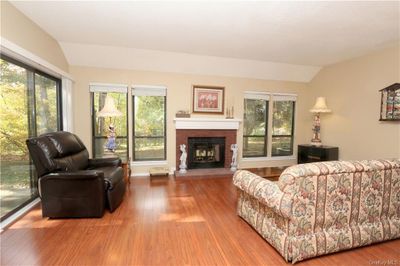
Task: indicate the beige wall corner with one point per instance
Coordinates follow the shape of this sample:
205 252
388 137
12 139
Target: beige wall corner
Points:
19 29
352 92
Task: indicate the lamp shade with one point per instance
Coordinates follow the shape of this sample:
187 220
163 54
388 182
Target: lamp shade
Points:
320 106
109 109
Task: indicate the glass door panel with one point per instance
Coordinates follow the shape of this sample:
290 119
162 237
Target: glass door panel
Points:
15 181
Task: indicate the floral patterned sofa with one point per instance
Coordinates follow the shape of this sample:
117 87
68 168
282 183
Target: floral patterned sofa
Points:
320 208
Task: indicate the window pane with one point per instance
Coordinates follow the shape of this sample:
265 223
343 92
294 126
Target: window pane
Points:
121 150
149 148
253 146
255 114
46 104
149 115
282 118
282 146
282 128
15 182
149 127
101 147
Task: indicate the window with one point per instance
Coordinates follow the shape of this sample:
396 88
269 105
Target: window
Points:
113 122
282 127
30 105
257 122
255 125
149 124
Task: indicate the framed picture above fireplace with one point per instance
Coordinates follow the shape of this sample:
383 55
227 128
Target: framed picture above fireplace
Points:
208 99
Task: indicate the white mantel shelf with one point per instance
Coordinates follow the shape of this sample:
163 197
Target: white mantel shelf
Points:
206 123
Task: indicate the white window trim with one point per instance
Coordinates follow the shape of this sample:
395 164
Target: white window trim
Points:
108 87
276 97
67 104
149 90
149 163
257 95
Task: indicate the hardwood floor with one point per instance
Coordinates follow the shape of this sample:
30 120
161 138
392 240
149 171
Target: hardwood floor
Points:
162 222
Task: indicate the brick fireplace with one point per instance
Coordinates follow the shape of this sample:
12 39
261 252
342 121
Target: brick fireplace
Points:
225 129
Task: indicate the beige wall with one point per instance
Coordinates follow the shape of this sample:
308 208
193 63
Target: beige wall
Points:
19 29
352 92
179 98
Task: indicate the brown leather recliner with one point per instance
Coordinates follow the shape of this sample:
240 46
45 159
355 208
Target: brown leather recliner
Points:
71 184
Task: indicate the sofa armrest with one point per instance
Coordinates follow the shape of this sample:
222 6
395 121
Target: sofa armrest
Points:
265 191
102 162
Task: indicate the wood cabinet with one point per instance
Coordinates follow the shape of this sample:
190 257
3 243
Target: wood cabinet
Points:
308 153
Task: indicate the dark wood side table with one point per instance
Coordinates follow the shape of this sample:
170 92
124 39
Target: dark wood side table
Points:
309 153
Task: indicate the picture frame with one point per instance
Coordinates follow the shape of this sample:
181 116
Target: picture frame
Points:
208 99
390 103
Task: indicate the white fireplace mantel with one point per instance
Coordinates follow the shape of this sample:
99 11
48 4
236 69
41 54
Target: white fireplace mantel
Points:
206 123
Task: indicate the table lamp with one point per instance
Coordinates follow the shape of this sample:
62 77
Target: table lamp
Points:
319 107
109 110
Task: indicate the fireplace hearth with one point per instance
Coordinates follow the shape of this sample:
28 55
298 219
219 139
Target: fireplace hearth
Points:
206 152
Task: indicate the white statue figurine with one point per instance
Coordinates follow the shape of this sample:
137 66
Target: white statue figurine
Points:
182 166
234 149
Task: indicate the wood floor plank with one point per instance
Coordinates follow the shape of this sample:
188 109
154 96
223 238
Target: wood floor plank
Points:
162 222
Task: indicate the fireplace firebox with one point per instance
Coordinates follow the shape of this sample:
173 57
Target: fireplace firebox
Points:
206 152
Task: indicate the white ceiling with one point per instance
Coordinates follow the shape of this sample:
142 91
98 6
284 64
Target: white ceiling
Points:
299 33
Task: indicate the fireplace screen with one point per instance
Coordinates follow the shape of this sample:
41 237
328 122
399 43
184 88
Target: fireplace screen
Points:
206 152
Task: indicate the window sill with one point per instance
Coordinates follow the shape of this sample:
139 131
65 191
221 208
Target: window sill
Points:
148 163
263 159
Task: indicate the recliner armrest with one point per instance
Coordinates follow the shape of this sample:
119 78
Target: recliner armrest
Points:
76 175
102 162
72 184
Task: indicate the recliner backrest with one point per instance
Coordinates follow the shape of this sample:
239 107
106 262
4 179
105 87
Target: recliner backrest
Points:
58 151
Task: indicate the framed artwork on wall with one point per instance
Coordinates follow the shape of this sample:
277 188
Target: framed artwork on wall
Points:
208 99
390 103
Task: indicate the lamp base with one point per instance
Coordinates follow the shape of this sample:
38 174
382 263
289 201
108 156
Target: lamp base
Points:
316 142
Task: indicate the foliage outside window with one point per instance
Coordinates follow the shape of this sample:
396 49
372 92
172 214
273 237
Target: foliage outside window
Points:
101 125
256 124
149 127
282 128
29 106
255 128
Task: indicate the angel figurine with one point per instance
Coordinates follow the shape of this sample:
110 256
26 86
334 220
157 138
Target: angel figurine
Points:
182 166
111 144
234 149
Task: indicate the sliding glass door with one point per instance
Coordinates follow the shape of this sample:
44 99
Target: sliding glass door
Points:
29 106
